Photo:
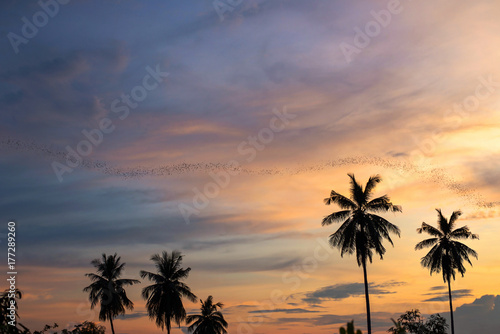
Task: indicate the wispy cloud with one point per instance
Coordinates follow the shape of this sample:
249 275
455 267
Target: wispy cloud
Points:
443 296
343 291
135 315
289 310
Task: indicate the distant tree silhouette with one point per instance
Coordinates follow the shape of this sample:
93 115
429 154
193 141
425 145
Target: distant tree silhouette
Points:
5 328
446 255
362 232
413 322
398 327
45 329
409 322
350 329
164 296
436 325
211 321
87 327
107 288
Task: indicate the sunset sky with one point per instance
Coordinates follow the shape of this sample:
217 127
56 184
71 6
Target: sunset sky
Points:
221 129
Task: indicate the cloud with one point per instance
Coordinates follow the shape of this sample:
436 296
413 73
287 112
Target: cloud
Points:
185 330
256 264
483 214
281 310
54 70
480 316
134 315
380 320
443 296
342 291
57 97
37 296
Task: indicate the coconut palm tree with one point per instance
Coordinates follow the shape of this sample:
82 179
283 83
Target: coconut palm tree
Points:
211 321
107 288
362 231
164 296
446 255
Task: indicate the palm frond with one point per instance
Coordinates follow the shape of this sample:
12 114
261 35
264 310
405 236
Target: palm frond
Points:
126 281
357 193
463 233
463 250
374 235
384 225
371 184
430 230
383 204
345 236
342 201
443 222
426 243
453 218
433 259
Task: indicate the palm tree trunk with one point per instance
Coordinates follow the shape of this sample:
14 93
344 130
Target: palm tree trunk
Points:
112 327
451 307
367 297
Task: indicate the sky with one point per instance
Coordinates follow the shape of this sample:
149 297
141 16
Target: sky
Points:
217 128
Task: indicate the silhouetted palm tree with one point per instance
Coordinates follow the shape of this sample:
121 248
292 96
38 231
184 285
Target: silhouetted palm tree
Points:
164 297
211 321
361 231
446 254
107 288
